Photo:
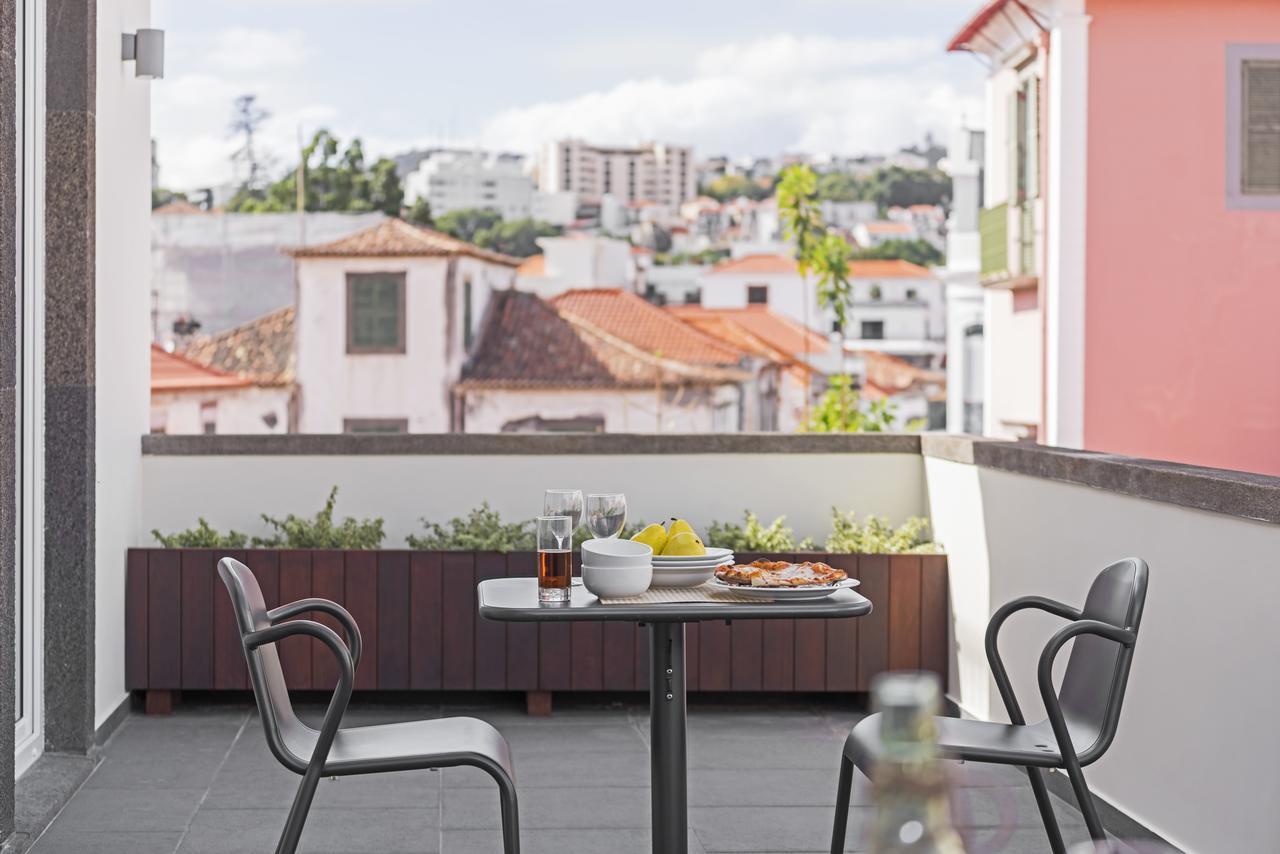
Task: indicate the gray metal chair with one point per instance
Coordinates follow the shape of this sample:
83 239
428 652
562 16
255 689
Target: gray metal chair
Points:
334 751
1082 715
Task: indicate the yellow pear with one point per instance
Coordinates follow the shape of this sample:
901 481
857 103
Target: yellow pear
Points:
654 536
684 543
680 526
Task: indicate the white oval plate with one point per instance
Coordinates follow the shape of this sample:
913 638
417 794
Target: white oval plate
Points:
680 567
716 554
812 591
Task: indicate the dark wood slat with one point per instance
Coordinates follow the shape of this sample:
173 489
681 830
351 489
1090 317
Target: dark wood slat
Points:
692 671
778 655
135 620
197 619
642 657
747 655
229 671
873 629
164 620
904 612
458 592
619 651
522 638
491 636
810 646
586 657
360 597
328 581
555 653
935 615
295 584
393 621
715 665
426 621
842 637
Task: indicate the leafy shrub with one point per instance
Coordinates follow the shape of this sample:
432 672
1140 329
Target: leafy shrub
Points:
755 537
481 530
320 532
202 536
877 536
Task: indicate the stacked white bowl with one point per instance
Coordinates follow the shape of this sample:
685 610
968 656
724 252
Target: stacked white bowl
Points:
616 567
688 570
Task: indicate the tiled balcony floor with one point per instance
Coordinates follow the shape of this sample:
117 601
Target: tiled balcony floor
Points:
762 779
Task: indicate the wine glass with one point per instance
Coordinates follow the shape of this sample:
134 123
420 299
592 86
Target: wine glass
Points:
606 514
563 502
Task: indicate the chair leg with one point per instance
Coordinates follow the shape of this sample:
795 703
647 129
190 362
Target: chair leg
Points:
1085 798
843 789
299 811
510 817
1056 845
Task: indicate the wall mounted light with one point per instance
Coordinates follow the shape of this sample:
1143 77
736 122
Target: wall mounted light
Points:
146 48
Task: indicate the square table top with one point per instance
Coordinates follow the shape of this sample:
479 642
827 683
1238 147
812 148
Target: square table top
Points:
516 600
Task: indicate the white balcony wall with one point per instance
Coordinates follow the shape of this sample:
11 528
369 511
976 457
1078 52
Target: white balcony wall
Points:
122 358
231 491
1192 756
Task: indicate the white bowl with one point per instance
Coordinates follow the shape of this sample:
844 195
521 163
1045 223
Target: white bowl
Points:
616 552
611 581
682 577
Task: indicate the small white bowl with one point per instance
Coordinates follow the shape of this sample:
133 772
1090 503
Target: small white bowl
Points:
682 577
616 552
611 581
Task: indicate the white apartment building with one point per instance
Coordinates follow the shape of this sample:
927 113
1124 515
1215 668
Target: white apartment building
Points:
964 293
460 180
655 172
578 261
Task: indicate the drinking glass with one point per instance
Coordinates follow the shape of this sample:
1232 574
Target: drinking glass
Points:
606 514
563 502
555 559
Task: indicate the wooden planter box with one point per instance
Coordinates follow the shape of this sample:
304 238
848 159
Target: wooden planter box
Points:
417 615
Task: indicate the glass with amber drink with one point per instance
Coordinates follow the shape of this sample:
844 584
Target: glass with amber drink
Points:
555 559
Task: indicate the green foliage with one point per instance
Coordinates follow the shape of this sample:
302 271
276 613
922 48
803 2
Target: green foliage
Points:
888 187
877 536
840 411
480 530
161 197
320 532
467 223
841 187
336 179
706 256
202 536
753 536
419 213
920 252
801 214
518 237
729 187
831 257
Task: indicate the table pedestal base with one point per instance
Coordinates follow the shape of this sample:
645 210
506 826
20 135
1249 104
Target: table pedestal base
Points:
667 759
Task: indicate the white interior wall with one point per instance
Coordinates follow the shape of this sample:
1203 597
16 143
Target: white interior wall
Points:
123 334
231 491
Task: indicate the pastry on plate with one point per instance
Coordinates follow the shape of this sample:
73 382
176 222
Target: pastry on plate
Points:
781 573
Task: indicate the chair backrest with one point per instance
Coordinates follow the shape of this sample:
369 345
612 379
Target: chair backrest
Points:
265 672
1093 686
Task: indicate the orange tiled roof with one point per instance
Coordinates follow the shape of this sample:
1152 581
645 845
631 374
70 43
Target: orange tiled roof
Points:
260 350
644 325
171 372
395 238
758 330
887 375
534 265
781 264
889 228
178 206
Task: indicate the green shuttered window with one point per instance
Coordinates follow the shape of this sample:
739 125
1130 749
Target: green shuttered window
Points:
375 313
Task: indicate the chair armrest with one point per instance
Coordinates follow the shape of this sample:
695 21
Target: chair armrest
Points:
1039 603
1044 673
323 606
346 675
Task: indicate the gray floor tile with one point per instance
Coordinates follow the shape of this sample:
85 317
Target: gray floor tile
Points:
773 829
328 831
555 842
721 787
129 810
59 841
547 808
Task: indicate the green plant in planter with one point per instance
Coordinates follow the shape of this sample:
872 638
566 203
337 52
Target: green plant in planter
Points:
320 532
753 536
202 536
878 536
481 530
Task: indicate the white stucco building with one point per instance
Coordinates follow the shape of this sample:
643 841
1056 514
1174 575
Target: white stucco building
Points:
578 261
965 305
190 398
657 172
385 319
460 180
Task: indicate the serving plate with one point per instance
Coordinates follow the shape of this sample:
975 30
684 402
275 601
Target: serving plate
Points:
712 554
791 594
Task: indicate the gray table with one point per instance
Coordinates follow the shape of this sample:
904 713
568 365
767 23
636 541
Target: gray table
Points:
516 600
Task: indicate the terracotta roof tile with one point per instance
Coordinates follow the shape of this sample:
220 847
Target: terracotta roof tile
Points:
781 264
889 228
534 265
645 326
395 238
172 372
260 350
888 375
757 330
177 206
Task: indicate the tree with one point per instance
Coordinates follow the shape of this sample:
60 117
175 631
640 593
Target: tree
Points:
728 187
895 186
466 223
840 411
841 187
518 237
917 251
161 196
246 119
419 213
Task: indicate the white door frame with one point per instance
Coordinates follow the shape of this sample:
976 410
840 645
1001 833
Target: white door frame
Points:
29 591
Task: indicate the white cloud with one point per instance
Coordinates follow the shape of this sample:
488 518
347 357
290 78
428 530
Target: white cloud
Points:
244 49
815 94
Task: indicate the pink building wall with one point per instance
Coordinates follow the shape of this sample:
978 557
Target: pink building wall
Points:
1182 330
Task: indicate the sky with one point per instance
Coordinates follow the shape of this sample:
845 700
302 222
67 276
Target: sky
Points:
741 78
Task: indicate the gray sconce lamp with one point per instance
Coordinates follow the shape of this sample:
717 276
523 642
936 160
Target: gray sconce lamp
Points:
146 48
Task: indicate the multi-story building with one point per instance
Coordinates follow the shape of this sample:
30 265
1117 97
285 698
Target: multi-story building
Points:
460 180
655 172
964 296
1131 227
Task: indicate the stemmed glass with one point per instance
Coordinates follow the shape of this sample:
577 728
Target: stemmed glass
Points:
565 502
606 514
